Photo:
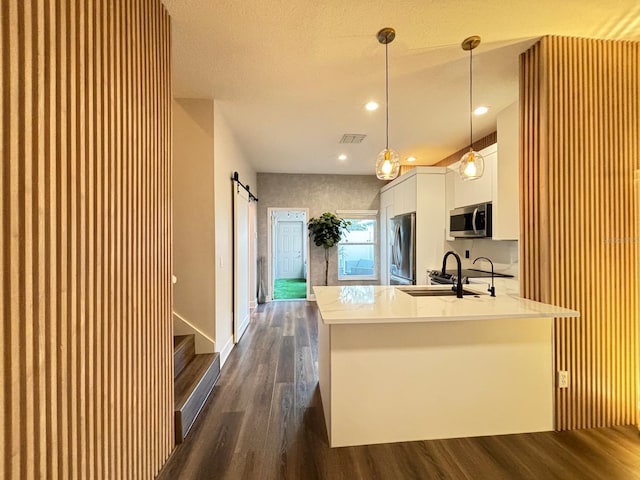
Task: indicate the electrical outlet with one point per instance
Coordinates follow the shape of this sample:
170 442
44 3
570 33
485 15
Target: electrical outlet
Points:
563 379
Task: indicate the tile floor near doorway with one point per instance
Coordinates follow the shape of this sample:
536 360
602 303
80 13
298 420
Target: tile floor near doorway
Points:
264 421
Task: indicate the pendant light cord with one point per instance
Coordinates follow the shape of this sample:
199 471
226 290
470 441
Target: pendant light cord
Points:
386 69
470 99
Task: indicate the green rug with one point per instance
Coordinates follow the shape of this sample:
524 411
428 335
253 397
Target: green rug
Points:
289 288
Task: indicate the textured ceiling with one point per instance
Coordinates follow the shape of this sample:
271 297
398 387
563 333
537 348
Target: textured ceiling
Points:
292 77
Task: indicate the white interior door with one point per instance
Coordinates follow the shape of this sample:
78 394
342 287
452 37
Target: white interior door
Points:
241 263
289 254
253 255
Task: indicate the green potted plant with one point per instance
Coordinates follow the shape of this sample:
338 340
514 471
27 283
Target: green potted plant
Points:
326 231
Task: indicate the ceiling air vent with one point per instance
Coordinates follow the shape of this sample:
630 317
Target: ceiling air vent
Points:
352 138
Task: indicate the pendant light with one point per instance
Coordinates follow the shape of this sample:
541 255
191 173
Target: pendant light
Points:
388 161
471 163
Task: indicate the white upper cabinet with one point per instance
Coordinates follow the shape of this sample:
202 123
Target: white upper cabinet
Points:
404 196
470 192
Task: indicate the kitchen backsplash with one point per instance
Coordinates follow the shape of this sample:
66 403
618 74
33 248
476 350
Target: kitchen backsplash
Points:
503 254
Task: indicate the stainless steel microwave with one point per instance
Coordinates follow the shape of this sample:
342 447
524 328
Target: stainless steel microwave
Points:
473 221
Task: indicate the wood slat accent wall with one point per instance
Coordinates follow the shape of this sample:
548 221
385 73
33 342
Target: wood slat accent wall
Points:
580 124
85 255
479 144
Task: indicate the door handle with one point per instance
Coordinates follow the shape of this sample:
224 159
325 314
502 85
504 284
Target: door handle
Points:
473 220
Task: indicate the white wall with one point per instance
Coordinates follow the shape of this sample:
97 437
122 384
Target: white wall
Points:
319 194
228 158
205 156
193 229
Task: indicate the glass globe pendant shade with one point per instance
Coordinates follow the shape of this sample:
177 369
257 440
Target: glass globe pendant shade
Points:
471 165
387 164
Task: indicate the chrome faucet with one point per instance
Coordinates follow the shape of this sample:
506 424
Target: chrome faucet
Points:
458 286
491 289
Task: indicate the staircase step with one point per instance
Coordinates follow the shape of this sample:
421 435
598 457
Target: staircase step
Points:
192 388
184 349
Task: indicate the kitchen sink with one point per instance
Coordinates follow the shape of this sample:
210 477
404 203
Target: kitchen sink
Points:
434 292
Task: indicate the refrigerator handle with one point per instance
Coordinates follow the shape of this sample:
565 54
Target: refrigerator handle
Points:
399 249
394 245
412 246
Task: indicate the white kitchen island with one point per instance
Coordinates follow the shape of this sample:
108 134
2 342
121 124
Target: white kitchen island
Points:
393 367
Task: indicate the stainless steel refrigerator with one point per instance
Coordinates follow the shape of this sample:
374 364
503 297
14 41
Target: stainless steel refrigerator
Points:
403 253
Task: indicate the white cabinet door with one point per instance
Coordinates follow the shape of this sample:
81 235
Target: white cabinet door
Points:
404 198
470 192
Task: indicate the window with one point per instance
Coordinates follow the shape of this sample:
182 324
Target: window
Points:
358 247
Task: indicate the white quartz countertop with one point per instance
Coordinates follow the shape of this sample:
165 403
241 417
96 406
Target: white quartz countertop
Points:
388 304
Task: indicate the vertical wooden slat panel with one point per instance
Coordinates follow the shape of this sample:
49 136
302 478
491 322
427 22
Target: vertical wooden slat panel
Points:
85 259
111 159
90 263
62 317
4 207
27 247
125 244
137 380
145 233
99 242
118 339
578 160
80 249
13 378
40 319
51 309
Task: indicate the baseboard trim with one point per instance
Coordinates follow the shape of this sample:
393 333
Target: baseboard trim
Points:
311 298
243 327
226 351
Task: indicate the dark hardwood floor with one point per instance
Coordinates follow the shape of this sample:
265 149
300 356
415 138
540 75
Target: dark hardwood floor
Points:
264 421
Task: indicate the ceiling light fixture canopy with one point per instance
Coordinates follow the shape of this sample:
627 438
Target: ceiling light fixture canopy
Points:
471 163
388 161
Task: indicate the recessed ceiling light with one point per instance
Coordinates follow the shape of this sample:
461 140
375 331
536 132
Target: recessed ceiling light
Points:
481 110
342 157
411 159
371 106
